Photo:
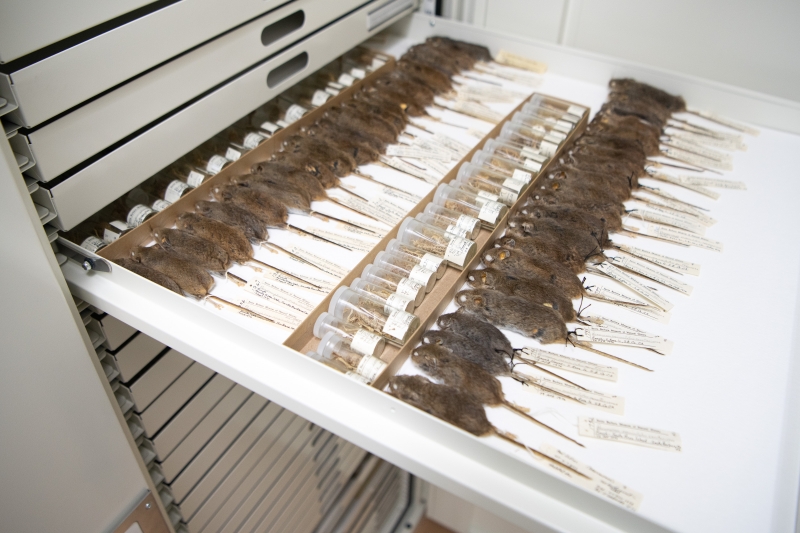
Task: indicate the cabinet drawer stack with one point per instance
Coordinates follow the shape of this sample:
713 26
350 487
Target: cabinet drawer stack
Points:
223 458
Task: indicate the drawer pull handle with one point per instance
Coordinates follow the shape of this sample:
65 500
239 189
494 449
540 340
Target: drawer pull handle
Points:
282 72
283 27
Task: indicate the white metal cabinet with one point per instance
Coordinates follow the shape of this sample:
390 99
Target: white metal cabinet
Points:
490 476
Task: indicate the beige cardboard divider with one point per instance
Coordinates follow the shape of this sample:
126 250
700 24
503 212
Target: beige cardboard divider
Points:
166 219
436 301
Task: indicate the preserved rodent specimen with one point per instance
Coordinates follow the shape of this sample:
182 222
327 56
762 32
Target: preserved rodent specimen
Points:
269 211
231 238
193 280
193 248
517 265
253 228
156 276
454 407
442 364
476 330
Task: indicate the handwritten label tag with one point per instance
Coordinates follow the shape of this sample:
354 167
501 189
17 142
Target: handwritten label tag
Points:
635 285
607 293
408 168
677 181
388 216
460 148
645 270
264 288
415 153
570 364
597 482
347 242
688 218
457 251
490 211
629 433
680 237
670 220
397 325
593 399
694 159
631 339
370 367
713 182
697 149
707 140
651 312
365 342
662 200
281 317
726 122
321 263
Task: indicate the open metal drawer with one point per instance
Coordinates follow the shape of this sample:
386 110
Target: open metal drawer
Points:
711 386
90 188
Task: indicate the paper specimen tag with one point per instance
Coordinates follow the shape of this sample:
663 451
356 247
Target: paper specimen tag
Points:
454 231
707 140
532 153
609 294
215 164
635 285
397 324
270 127
409 288
321 263
396 301
319 98
346 79
598 483
631 339
645 270
370 367
661 201
699 149
175 190
294 113
232 154
366 208
651 312
457 251
713 182
281 318
358 73
677 181
681 237
408 168
280 278
137 214
726 122
629 433
460 148
388 192
431 262
467 223
264 288
521 176
365 342
92 243
195 179
348 242
661 218
395 150
548 148
694 159
505 57
688 218
251 140
593 399
532 165
490 211
420 275
570 364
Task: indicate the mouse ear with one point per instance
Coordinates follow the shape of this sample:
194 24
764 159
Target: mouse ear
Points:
511 242
503 254
477 300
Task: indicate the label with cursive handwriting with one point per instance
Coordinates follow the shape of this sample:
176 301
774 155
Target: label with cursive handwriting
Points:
629 433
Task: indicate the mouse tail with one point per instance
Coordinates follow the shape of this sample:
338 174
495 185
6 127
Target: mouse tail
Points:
589 348
508 437
523 413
